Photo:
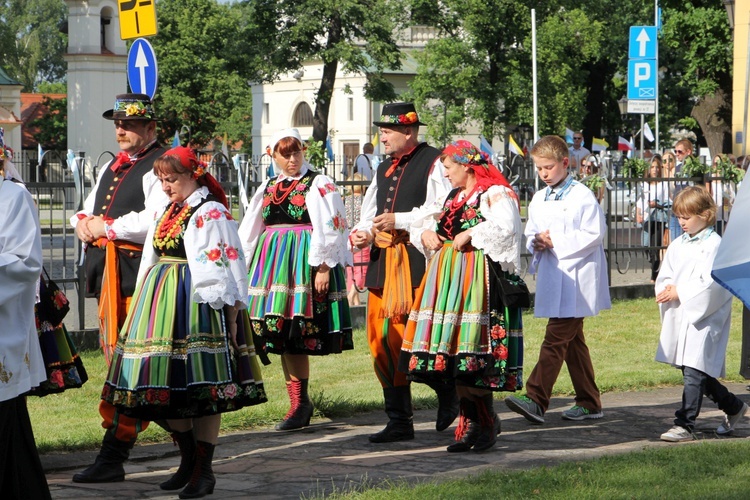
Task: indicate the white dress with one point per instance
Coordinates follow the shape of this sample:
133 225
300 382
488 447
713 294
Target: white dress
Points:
21 364
695 328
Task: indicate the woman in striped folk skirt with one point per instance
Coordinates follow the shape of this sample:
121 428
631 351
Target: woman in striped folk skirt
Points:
295 238
182 354
460 326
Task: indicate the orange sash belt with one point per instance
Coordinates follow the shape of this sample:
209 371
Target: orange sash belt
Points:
397 291
110 307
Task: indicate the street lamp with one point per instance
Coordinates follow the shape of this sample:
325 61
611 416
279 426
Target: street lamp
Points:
623 105
729 6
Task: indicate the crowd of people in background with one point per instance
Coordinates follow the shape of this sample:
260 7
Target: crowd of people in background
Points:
191 301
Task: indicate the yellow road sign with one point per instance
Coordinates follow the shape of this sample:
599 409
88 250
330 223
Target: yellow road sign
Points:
137 18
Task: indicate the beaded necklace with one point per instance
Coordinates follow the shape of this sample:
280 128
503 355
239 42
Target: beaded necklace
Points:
279 193
169 228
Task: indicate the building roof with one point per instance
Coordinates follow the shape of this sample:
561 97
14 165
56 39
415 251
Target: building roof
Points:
6 80
33 108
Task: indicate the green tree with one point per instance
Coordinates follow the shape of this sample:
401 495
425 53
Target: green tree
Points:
199 82
53 126
32 44
697 47
278 36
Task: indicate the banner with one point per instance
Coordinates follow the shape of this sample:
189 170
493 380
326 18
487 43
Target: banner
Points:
513 147
599 144
732 263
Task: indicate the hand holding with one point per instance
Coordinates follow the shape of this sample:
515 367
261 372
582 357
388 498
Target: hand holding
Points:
384 222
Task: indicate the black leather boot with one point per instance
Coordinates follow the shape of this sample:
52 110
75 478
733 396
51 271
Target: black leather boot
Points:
107 467
447 402
202 480
489 423
186 442
400 426
301 408
468 429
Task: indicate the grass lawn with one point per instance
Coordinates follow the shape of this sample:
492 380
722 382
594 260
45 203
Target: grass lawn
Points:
622 343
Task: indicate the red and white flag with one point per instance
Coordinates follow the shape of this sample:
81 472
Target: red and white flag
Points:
624 144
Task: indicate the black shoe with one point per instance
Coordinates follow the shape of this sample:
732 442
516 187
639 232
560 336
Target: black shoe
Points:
468 430
107 467
186 442
202 480
394 431
301 409
398 408
447 402
489 424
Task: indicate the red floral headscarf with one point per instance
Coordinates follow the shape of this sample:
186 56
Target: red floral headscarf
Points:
191 162
486 173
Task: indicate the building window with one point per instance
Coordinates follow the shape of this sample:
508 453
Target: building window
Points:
350 109
303 116
266 113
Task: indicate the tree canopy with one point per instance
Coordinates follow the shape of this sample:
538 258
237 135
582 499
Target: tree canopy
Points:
32 44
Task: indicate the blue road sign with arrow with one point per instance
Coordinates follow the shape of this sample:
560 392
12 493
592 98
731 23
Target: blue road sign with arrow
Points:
142 71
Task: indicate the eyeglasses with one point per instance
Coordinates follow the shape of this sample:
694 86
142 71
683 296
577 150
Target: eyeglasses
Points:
679 151
577 138
293 153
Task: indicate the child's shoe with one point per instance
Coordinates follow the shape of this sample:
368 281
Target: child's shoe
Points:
677 434
730 421
581 413
527 407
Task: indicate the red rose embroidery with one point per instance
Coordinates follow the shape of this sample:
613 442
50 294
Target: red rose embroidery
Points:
298 200
56 378
500 352
150 396
214 255
163 396
299 187
311 343
232 253
214 213
199 222
470 213
471 364
413 363
266 201
498 332
440 363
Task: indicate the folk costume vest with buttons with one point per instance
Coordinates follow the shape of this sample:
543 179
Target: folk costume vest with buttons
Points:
117 195
403 190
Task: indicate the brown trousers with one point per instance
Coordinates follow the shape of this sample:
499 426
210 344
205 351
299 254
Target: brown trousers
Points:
564 342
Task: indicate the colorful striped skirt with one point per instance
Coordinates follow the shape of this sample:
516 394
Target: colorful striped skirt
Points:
281 304
64 366
459 327
174 358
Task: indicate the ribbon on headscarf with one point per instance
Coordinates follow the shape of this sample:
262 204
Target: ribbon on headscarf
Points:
110 300
485 172
189 161
397 298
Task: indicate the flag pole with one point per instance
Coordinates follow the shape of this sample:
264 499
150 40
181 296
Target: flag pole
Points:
641 136
534 85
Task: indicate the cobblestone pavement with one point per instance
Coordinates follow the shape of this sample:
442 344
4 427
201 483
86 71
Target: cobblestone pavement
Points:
336 455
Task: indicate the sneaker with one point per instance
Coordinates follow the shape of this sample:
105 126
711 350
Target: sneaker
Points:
525 406
730 421
677 434
581 413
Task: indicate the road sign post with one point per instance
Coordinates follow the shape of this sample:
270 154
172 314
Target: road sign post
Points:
643 83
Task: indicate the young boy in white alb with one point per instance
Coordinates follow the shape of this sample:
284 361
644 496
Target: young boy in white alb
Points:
696 314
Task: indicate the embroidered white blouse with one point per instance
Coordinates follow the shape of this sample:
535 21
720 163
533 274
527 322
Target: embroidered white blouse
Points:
213 250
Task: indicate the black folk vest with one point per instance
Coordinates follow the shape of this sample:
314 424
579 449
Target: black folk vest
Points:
117 195
403 190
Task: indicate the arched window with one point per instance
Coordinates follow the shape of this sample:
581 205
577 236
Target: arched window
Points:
303 116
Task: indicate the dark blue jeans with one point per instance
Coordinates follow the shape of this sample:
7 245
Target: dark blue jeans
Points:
696 385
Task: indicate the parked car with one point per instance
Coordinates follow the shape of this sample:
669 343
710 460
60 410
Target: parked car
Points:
619 202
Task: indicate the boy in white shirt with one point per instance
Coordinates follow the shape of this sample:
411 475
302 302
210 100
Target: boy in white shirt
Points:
696 315
565 230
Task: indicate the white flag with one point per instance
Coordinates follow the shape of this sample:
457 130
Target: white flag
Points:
647 132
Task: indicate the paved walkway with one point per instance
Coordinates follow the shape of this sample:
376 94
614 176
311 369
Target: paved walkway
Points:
336 455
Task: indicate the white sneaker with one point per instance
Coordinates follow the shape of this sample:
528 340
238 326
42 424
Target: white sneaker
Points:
730 421
677 434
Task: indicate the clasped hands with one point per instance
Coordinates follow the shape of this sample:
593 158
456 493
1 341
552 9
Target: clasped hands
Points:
382 222
433 241
90 228
542 241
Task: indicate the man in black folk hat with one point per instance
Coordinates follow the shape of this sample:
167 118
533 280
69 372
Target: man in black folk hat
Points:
411 177
113 224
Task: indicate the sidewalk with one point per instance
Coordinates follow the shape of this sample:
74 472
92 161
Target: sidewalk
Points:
336 455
